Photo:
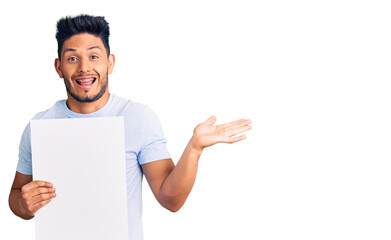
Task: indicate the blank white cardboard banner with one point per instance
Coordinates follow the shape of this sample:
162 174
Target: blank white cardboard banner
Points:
85 160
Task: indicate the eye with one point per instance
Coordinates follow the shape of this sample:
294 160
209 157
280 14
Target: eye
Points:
94 57
72 59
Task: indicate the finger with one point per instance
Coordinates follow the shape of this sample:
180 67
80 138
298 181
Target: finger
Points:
240 122
236 130
235 139
41 190
35 184
42 197
211 120
39 205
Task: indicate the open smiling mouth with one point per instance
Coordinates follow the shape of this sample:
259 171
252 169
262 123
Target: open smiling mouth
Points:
86 82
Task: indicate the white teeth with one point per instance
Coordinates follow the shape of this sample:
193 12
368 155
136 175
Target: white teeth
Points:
86 80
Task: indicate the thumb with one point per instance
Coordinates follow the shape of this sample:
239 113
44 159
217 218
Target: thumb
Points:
211 120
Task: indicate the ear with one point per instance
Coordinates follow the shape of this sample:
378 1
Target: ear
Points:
57 65
111 63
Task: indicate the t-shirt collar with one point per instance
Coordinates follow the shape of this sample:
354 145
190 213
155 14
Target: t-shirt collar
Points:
97 113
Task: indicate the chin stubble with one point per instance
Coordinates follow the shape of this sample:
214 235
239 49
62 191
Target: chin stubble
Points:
86 99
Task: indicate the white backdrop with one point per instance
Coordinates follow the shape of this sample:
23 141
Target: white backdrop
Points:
314 76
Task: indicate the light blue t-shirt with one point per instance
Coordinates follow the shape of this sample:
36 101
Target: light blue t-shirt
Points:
144 143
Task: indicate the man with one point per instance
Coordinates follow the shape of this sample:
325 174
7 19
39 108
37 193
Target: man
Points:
84 62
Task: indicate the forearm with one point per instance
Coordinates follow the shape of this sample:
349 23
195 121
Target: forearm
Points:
16 204
178 184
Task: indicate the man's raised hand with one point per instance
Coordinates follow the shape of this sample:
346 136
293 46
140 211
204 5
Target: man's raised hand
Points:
206 134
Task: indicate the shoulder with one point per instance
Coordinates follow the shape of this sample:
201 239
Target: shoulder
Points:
47 114
138 116
129 108
56 111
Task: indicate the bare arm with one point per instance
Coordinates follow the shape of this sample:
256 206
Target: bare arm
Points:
28 196
172 184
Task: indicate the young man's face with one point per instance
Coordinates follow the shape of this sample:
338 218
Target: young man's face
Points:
84 66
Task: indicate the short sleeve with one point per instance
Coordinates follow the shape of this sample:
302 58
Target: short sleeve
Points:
25 160
153 147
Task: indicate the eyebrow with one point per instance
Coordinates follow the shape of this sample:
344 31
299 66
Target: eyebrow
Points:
93 47
69 50
74 50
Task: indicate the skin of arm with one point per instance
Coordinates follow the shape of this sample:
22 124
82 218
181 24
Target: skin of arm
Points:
28 196
172 184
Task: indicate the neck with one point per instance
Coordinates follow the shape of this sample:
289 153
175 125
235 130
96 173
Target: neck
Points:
87 107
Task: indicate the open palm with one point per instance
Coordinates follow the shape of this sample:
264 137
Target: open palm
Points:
206 134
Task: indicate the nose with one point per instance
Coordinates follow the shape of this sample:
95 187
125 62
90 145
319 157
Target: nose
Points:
84 65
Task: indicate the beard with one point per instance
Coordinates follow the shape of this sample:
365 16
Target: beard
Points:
86 99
